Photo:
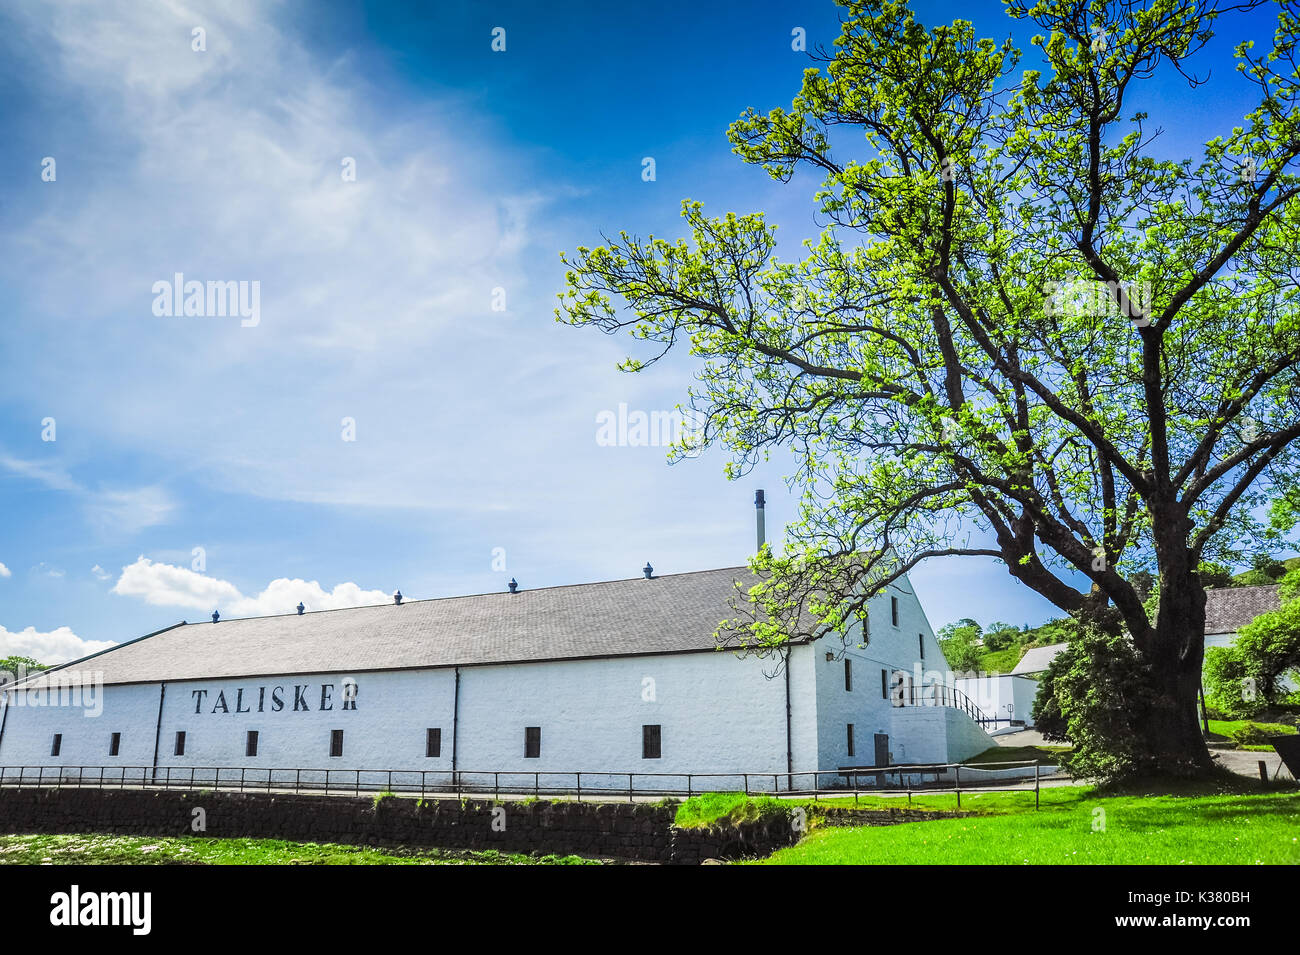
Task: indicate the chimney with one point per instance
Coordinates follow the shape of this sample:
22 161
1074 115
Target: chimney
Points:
762 523
301 608
648 570
513 585
215 616
397 597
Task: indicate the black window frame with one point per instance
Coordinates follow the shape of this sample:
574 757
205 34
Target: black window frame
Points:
848 675
336 743
893 610
178 745
652 741
920 642
251 739
56 744
115 745
849 727
532 742
884 683
433 742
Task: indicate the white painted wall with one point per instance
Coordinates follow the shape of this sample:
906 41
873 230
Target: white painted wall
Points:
909 646
938 734
719 713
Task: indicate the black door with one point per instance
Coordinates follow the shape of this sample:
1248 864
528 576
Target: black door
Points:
882 749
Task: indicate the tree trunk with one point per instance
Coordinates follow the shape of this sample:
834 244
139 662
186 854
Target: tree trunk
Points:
1174 649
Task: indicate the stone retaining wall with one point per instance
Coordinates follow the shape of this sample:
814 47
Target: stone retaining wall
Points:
631 831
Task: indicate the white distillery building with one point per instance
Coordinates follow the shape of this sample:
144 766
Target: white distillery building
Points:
607 679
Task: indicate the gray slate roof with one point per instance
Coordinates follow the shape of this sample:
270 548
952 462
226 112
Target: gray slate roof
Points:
1037 659
1228 609
670 614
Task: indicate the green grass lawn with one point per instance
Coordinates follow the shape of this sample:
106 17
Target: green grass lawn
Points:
201 850
1231 829
1043 755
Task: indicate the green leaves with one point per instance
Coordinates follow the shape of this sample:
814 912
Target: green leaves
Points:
1021 334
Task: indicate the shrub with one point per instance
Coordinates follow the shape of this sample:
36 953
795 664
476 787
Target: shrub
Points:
1093 695
1226 687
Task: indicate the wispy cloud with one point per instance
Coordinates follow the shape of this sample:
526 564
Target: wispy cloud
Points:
109 510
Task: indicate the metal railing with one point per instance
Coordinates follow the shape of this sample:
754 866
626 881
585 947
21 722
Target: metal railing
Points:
842 781
940 694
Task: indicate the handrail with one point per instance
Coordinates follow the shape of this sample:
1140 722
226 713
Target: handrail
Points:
325 781
941 694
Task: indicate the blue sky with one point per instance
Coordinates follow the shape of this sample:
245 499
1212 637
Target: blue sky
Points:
474 428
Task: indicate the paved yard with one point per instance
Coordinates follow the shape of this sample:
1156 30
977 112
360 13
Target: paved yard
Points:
1244 762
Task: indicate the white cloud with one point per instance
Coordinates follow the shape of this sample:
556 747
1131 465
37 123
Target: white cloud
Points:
165 585
100 573
5 571
57 646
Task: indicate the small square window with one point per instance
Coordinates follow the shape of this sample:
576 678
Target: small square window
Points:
651 741
57 745
250 744
114 744
433 742
336 742
179 749
532 742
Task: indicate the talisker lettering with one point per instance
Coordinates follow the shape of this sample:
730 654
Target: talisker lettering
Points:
303 694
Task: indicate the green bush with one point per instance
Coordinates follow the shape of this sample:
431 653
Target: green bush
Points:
1093 695
1227 690
1258 734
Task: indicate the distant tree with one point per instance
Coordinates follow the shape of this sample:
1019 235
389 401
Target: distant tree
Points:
961 648
966 625
14 665
1214 574
1000 636
1269 649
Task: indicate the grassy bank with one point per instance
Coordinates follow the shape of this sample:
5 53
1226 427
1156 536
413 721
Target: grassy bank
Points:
201 850
1076 826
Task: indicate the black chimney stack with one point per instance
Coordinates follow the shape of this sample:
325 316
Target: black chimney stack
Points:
301 608
513 585
648 570
397 597
215 616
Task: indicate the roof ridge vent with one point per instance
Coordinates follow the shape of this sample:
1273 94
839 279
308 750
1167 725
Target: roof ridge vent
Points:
648 571
397 597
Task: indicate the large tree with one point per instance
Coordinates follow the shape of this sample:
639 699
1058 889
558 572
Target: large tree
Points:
1022 333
